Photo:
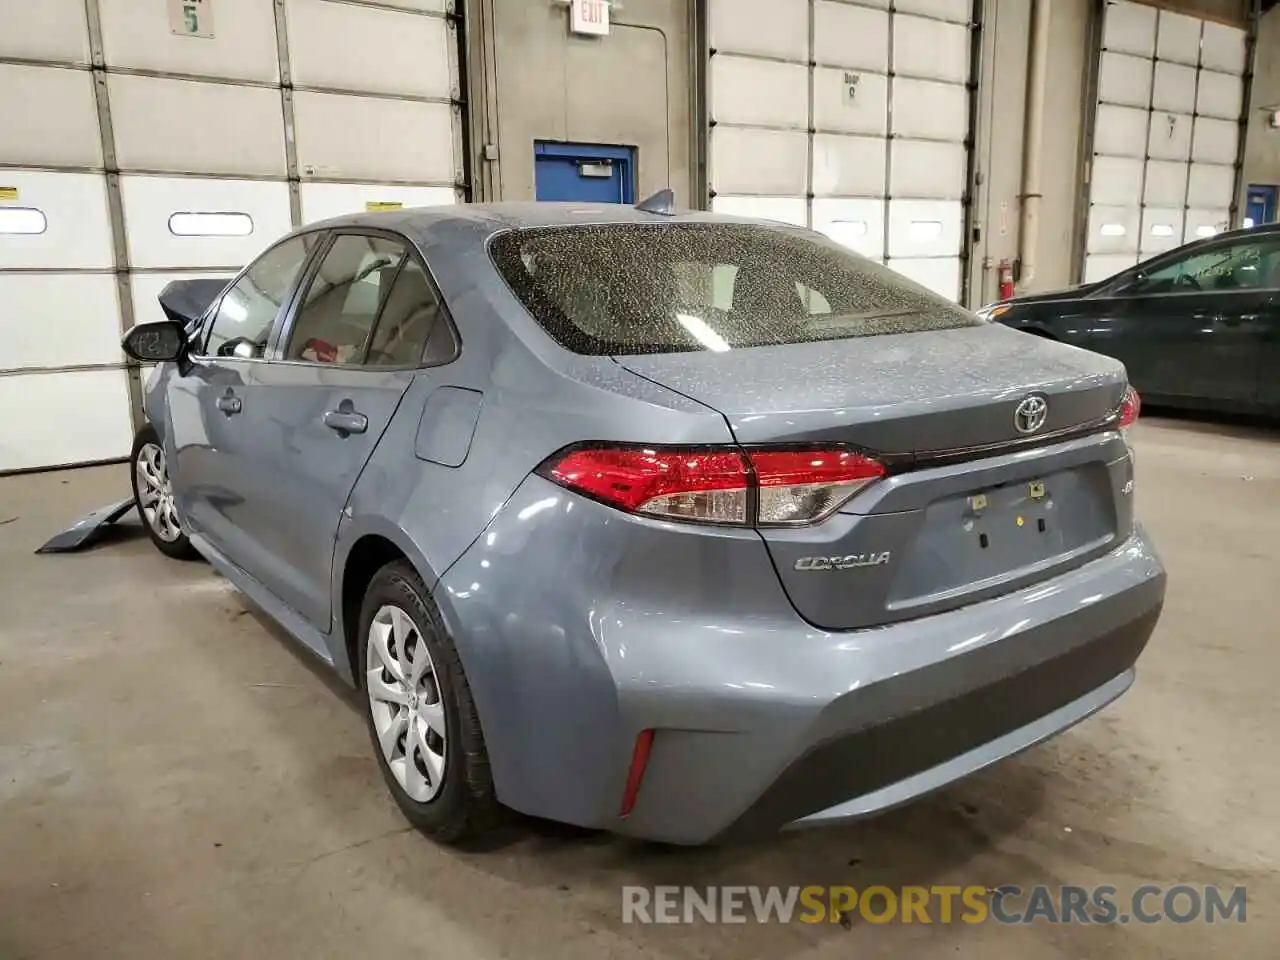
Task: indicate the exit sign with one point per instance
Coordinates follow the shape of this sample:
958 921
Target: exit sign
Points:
590 17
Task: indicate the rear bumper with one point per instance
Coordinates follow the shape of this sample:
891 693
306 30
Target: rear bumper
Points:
990 680
761 721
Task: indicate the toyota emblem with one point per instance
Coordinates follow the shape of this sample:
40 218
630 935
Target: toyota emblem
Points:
1030 415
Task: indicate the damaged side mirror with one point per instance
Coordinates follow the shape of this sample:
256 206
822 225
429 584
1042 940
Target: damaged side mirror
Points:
155 341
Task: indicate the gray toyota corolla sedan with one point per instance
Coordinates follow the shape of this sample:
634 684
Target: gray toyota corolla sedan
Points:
673 524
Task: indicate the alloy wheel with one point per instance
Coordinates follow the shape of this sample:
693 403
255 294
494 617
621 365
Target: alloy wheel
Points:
155 493
404 699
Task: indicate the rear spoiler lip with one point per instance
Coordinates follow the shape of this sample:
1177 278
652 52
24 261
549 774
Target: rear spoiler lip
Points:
904 462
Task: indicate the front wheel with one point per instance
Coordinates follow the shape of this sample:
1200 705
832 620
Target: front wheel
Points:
153 495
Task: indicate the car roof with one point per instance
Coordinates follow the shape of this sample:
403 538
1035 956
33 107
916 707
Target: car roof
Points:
490 218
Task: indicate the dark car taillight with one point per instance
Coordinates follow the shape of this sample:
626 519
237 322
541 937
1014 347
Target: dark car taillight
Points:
726 485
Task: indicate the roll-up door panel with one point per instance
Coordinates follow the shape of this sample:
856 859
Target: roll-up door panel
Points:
868 112
351 47
433 6
849 36
760 92
365 138
1125 80
44 30
72 207
939 274
136 34
924 228
58 320
1120 131
954 10
1179 38
1101 266
936 111
930 49
151 202
767 28
1214 141
185 125
68 418
1220 95
857 224
762 162
1113 229
1166 184
1130 28
781 209
1175 87
1161 230
1170 136
925 168
63 131
323 200
146 289
1210 186
1119 179
848 166
1223 49
1201 222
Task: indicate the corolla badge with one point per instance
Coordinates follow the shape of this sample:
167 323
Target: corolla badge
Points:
847 562
1030 415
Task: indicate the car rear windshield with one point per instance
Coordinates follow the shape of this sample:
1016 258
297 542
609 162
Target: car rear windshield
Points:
617 289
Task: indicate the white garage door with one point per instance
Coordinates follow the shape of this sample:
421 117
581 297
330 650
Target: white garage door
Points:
1166 134
224 138
867 144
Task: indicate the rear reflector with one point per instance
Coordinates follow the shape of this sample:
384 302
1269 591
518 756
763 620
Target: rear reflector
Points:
767 486
635 775
1130 407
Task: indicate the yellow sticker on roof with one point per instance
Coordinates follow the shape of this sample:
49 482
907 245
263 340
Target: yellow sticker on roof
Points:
381 206
8 193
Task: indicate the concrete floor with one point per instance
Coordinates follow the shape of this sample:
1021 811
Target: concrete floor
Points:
178 780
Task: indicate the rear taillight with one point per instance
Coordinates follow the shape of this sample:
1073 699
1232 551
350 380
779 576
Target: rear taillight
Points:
1130 407
766 486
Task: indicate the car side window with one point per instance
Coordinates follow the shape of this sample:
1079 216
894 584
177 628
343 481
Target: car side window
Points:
370 303
1245 265
410 316
244 317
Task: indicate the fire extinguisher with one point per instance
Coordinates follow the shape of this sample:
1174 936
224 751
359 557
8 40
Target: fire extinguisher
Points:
1004 273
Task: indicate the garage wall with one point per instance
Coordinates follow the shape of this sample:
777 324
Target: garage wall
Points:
1262 142
1166 134
161 148
850 117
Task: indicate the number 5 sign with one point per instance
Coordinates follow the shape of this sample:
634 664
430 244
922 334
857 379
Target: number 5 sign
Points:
191 18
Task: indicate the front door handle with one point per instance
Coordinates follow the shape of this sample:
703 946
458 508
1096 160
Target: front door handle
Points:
346 421
229 405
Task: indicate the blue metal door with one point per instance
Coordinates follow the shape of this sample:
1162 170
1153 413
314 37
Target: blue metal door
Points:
1260 204
586 172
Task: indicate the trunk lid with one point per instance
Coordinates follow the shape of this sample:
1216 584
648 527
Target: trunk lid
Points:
967 512
914 393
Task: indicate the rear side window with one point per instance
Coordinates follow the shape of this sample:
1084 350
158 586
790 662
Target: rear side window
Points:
369 303
667 288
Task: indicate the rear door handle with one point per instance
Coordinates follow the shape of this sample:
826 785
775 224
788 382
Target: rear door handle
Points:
229 405
346 421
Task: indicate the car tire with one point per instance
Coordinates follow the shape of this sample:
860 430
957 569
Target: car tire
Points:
448 792
153 496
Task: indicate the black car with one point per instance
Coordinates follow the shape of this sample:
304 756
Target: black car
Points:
1197 327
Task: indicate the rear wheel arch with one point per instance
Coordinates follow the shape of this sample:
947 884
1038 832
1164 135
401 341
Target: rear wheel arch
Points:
369 554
